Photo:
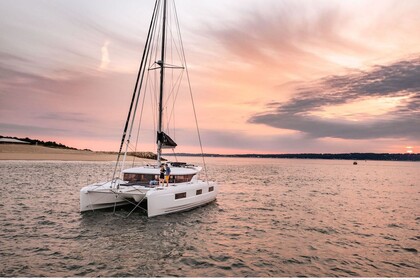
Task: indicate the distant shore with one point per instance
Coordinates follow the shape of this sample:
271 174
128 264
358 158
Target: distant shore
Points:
33 152
38 152
347 156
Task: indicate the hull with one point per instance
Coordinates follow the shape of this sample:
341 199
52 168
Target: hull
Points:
160 200
101 196
99 200
180 197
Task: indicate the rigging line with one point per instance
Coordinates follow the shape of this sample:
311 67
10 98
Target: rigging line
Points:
141 114
175 88
154 54
137 206
137 100
174 94
192 98
173 37
154 99
142 65
176 158
151 93
170 48
176 57
166 66
154 86
153 105
172 113
152 61
157 38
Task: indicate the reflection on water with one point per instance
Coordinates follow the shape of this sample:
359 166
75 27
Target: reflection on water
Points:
273 217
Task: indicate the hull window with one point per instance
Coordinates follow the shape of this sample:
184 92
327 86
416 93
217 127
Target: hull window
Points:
197 192
180 195
211 189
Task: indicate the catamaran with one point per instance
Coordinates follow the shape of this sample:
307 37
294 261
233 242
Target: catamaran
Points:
138 185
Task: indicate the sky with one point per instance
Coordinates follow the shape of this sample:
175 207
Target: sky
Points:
268 76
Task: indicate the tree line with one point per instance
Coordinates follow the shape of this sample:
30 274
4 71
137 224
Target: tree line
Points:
343 156
50 144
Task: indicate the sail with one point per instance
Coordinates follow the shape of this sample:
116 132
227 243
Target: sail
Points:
166 141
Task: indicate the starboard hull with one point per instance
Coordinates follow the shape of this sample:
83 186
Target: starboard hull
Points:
172 200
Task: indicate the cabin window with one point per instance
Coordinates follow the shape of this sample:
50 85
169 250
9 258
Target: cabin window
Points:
197 192
182 178
180 195
211 189
138 178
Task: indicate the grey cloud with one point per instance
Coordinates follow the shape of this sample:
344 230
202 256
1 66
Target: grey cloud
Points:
292 143
400 79
12 129
18 86
8 57
241 140
66 117
385 80
8 128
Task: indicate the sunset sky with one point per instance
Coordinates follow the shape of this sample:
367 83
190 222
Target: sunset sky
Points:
268 76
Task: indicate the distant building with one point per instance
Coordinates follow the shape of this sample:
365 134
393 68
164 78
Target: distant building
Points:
12 141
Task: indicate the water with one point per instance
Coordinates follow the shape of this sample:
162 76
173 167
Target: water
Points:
272 218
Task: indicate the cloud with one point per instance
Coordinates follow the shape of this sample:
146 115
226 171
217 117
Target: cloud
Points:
219 141
299 40
48 132
105 56
9 128
65 117
64 102
289 34
398 80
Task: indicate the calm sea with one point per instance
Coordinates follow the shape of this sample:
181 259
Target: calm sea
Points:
272 218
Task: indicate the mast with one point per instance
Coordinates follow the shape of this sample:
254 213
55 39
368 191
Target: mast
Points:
136 94
161 63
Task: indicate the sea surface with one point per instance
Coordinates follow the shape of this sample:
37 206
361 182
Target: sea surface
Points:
272 218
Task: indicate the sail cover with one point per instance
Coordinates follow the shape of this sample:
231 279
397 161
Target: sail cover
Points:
166 141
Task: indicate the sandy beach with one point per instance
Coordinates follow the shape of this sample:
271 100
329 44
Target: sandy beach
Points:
32 152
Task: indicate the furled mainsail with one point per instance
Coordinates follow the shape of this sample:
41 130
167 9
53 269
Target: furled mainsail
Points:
166 141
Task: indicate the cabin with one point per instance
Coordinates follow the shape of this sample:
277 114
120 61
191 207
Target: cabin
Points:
180 173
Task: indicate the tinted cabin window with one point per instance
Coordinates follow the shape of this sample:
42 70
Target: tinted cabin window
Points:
138 178
182 178
197 192
211 189
146 178
180 195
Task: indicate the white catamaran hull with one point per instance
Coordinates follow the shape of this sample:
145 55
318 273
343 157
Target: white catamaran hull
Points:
180 197
101 196
160 200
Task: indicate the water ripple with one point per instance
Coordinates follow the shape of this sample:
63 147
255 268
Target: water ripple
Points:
272 218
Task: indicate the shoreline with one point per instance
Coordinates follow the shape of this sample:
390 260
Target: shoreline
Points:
40 153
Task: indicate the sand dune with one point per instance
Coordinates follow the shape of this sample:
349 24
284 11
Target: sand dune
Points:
32 152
